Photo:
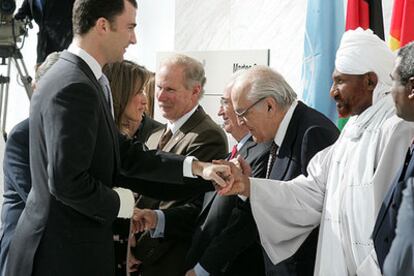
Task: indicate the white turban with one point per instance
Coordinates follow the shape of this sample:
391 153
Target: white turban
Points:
360 52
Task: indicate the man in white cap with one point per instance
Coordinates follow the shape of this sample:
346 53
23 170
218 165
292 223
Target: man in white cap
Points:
346 182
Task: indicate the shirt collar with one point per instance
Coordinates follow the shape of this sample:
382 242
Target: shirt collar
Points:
243 141
281 132
90 60
175 126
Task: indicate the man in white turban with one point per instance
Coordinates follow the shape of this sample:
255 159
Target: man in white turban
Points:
346 182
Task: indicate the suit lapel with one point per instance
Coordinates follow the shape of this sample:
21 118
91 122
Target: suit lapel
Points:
107 113
284 156
191 123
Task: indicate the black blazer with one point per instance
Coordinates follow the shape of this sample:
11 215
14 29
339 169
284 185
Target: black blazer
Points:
55 24
75 150
225 241
309 132
384 229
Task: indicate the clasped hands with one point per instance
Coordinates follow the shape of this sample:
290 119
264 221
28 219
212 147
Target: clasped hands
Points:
229 177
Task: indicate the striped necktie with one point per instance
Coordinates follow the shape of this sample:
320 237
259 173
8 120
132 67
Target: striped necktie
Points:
272 158
166 136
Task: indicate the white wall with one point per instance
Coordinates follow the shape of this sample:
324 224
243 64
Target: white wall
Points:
191 25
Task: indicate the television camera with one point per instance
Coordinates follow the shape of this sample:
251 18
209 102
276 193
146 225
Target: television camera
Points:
11 32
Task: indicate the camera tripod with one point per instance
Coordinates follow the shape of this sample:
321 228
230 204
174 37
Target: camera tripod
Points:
9 54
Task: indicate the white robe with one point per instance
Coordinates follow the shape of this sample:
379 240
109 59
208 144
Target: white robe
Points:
343 192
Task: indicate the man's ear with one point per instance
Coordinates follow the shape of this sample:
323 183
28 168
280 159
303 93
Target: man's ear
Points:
102 24
372 80
410 88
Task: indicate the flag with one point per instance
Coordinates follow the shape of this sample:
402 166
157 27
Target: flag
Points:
323 31
402 24
366 14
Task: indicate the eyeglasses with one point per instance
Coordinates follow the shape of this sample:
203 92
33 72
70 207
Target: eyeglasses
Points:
243 113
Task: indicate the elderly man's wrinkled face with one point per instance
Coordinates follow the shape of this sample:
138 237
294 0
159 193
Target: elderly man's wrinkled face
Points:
403 94
352 93
259 116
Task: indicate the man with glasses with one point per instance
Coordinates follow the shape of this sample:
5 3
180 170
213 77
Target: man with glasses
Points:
345 183
225 221
266 104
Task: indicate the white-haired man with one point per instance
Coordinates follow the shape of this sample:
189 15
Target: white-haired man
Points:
346 182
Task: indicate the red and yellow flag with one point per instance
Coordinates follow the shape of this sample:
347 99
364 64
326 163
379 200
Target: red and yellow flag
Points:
402 24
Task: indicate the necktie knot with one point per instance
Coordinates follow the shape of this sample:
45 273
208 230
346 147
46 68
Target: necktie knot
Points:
166 136
272 158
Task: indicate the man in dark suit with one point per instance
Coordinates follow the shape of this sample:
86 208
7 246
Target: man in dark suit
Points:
161 250
16 170
400 260
76 154
267 105
54 18
225 221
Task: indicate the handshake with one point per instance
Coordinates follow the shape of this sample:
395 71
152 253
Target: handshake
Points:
229 177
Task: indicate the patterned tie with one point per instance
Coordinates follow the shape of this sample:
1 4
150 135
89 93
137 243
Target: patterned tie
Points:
166 136
233 152
103 81
272 158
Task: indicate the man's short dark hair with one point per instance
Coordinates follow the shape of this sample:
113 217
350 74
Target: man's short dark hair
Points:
87 12
406 66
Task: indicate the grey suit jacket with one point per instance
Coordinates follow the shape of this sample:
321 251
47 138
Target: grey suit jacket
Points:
201 137
400 259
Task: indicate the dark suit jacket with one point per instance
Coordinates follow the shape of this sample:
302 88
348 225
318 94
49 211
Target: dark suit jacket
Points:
201 137
400 259
226 241
55 24
17 184
384 229
308 132
66 227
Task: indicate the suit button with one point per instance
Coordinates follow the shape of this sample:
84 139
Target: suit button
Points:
386 240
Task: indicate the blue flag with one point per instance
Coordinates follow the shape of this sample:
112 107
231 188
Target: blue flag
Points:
325 25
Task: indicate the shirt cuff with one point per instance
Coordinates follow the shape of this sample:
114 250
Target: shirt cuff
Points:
242 197
158 232
126 202
187 167
200 271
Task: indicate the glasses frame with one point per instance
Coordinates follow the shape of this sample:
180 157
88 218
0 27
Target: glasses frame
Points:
242 115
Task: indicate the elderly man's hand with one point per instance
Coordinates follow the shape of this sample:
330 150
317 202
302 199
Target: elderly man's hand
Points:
240 172
220 174
143 219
